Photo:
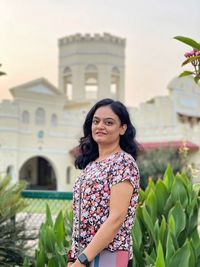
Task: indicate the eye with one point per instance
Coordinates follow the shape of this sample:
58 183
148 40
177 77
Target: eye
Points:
108 123
95 121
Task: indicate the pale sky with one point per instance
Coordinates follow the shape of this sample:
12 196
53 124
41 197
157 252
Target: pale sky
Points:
29 30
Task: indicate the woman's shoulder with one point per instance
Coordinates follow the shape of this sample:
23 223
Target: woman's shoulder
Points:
124 158
123 155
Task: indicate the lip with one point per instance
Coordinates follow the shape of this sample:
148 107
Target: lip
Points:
100 133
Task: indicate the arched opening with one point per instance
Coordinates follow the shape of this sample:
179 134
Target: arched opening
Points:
39 174
40 116
115 82
68 175
91 82
67 80
54 120
25 117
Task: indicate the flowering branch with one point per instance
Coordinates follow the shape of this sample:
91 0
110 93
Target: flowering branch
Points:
193 57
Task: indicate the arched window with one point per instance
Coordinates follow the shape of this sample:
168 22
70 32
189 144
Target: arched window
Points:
68 175
54 120
91 82
115 80
67 79
40 116
25 117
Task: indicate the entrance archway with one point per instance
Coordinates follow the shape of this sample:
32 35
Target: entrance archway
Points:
39 174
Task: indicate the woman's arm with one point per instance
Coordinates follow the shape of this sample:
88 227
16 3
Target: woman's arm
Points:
119 202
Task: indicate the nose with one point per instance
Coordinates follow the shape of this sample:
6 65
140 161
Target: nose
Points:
101 125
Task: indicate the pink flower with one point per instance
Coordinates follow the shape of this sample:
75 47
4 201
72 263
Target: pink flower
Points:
192 53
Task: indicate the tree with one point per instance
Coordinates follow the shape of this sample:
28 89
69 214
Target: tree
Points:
153 163
192 57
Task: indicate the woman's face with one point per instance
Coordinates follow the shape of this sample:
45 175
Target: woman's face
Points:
106 126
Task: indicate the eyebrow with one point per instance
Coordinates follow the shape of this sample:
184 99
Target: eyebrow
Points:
96 117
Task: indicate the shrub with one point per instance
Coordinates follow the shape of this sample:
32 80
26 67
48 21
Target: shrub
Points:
153 163
54 240
165 231
13 234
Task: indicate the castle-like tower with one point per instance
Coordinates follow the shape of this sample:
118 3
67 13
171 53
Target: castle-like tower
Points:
92 67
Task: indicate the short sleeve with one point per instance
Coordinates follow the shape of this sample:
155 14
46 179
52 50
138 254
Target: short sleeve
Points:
124 168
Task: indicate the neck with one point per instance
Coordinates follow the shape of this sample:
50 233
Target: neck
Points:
105 151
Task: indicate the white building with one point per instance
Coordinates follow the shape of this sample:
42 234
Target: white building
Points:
41 126
172 120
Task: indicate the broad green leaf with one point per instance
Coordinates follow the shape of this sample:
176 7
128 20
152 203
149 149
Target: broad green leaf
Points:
59 228
170 249
139 213
179 191
156 230
149 260
168 178
163 227
191 59
41 258
196 79
193 219
148 222
26 262
179 218
181 257
142 196
52 263
169 204
162 195
51 239
150 187
160 260
188 41
49 220
195 239
186 73
151 205
171 225
137 233
192 260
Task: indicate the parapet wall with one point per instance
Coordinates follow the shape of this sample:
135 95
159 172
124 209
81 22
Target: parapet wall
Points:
8 106
106 37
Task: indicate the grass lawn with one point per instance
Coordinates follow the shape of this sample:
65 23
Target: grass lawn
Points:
39 205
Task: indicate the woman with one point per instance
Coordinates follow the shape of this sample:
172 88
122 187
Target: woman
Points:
106 193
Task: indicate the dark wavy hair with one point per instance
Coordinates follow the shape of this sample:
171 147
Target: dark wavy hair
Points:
88 148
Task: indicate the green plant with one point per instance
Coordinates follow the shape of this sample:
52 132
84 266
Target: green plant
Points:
193 57
165 231
153 163
54 240
13 234
26 262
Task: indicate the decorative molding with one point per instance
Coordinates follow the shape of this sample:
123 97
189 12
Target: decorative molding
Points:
38 151
9 116
78 38
65 55
95 63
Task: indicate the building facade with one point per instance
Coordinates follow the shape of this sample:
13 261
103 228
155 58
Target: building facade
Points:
42 124
172 120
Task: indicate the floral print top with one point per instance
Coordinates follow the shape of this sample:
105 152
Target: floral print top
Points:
95 182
